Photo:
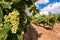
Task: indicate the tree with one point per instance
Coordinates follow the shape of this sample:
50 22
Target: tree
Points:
49 20
59 18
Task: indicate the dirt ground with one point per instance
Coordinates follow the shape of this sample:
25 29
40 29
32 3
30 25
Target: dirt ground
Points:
40 33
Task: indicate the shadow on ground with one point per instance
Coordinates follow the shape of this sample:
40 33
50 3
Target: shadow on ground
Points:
32 34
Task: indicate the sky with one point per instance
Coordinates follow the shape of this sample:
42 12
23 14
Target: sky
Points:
46 6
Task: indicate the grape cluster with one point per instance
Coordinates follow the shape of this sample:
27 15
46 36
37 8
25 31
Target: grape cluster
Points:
12 18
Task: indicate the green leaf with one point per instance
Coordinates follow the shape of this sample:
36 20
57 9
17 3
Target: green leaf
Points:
0 20
16 1
1 15
6 5
20 36
27 9
0 0
4 32
12 36
33 1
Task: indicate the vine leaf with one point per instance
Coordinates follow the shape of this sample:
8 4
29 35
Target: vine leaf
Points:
6 4
3 33
20 36
1 15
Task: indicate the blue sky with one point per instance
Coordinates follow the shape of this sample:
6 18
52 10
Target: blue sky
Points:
48 6
50 1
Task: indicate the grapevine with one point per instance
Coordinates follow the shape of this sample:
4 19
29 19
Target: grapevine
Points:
14 21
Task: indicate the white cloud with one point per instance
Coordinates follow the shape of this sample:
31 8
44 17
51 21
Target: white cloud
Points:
54 8
41 2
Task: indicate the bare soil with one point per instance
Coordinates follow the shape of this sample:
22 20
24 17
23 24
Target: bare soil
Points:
40 33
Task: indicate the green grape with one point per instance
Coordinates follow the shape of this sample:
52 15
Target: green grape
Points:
13 18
